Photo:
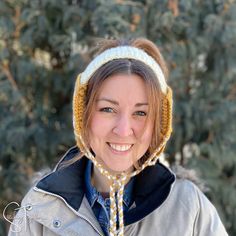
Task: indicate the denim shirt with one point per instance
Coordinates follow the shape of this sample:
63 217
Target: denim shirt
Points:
101 206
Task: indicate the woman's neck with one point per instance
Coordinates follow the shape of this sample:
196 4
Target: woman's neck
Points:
100 181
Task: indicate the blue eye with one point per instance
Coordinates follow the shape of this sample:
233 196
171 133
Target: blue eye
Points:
106 109
140 113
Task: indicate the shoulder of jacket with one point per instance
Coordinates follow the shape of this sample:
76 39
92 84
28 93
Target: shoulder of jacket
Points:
185 186
187 193
192 175
46 209
183 201
36 196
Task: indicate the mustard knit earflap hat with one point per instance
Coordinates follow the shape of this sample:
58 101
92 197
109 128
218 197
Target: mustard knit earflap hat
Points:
117 182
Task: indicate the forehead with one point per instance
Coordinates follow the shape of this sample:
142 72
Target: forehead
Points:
127 87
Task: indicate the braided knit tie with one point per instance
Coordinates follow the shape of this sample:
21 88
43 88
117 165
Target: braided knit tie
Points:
116 206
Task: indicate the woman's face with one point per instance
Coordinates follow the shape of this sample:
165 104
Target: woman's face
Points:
117 132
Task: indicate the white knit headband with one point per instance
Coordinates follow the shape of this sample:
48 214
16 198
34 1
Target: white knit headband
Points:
124 52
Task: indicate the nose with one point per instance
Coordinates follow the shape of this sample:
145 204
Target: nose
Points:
123 126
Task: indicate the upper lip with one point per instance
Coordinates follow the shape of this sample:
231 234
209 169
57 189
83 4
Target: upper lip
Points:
120 143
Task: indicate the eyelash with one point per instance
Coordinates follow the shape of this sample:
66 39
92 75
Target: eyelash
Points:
111 110
106 109
141 113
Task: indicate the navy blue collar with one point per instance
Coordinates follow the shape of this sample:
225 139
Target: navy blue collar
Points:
92 194
151 186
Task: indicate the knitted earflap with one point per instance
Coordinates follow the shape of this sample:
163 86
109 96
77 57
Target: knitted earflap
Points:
78 110
117 182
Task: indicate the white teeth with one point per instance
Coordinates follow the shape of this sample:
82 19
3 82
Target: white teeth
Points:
120 148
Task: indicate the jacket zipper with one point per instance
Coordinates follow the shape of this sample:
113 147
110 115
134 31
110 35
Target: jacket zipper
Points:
55 195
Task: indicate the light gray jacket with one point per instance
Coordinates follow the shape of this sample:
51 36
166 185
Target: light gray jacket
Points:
184 211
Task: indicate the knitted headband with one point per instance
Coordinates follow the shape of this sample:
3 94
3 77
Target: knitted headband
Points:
118 182
124 52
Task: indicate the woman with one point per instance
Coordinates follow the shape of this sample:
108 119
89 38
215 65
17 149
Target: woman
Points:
122 111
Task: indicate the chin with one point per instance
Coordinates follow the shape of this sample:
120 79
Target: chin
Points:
118 169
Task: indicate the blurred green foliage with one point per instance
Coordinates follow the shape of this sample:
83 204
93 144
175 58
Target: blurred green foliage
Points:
44 44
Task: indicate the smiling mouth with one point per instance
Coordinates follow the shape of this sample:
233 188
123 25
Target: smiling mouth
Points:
120 147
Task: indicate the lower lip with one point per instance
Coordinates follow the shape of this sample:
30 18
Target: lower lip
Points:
119 152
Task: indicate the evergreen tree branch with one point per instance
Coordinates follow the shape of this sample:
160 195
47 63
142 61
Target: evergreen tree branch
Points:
9 76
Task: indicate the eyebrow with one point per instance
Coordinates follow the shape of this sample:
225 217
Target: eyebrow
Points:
139 104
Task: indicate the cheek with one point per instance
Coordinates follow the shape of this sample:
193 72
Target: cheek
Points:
94 129
98 127
147 135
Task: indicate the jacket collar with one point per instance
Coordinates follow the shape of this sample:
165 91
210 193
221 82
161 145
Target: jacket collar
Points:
151 187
